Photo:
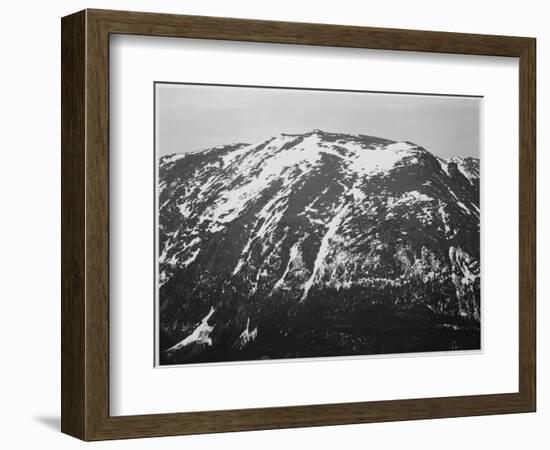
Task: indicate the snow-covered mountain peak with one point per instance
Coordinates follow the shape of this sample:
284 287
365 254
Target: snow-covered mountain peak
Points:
246 227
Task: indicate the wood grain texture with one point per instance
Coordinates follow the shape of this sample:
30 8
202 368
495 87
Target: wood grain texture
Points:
527 224
151 24
73 227
85 224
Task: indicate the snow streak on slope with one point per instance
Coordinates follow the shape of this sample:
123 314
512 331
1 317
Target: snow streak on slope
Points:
318 266
200 335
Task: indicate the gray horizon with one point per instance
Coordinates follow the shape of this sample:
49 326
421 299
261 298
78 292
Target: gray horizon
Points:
194 117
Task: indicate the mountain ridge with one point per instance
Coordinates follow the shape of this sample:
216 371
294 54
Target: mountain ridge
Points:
297 215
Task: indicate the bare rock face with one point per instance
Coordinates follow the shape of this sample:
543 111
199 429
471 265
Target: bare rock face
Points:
317 244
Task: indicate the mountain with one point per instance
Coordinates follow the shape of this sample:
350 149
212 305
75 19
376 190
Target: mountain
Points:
317 244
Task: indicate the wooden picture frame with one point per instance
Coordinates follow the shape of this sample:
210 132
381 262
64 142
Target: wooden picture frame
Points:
85 224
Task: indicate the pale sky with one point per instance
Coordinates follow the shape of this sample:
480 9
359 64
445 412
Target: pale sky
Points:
195 117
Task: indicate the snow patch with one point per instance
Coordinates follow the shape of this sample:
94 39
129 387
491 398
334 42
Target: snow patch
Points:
247 335
293 257
191 258
172 158
459 203
444 217
201 334
444 165
378 160
319 265
399 146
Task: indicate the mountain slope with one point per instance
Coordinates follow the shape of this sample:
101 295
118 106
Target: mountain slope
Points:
293 246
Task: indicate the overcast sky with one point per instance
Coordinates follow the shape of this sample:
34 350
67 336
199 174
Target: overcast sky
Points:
193 117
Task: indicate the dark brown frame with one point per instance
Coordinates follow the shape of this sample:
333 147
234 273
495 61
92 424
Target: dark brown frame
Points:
85 224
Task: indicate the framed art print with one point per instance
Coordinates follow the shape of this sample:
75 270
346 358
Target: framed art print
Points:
271 224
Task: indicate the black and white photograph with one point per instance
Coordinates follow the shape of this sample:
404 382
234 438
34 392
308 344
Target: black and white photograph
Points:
307 223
